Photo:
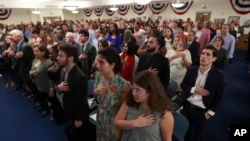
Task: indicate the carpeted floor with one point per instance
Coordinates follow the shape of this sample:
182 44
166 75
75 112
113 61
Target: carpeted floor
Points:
20 122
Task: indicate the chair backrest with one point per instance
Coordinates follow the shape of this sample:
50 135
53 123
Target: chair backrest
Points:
181 125
172 86
91 83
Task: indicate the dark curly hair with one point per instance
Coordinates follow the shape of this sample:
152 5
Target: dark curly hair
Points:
158 100
112 56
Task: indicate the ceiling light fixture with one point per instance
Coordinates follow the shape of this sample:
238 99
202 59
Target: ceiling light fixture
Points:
177 4
75 11
71 8
114 8
36 11
142 2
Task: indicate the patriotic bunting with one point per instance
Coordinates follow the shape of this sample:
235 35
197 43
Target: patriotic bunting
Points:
241 6
123 9
4 14
109 12
183 9
88 12
98 11
139 9
157 8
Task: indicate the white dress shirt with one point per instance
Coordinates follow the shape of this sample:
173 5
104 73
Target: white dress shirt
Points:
196 99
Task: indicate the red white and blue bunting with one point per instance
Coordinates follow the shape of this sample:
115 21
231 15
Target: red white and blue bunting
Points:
139 9
109 12
98 11
4 14
241 6
88 12
183 9
158 7
123 9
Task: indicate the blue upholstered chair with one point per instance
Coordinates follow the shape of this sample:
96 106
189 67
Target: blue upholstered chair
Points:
181 125
171 91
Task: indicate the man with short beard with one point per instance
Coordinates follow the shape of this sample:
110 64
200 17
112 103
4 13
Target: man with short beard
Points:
73 85
154 61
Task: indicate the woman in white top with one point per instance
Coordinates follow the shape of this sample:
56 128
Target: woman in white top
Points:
179 60
169 37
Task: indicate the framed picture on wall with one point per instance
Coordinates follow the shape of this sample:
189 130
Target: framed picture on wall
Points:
222 21
216 21
202 16
232 18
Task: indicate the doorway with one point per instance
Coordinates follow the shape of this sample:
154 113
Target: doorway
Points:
51 20
203 16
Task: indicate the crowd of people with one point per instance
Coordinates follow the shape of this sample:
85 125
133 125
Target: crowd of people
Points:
131 62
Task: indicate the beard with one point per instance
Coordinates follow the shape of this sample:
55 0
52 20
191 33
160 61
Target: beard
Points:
151 49
63 63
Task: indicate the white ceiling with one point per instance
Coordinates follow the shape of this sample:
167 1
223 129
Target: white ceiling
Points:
61 3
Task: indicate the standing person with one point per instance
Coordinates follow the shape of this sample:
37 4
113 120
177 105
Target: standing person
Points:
43 36
69 39
114 38
202 95
110 90
87 52
169 37
232 31
202 35
40 77
102 44
73 85
179 60
146 114
238 28
129 61
51 40
98 37
153 60
193 47
9 75
56 97
23 55
221 59
229 41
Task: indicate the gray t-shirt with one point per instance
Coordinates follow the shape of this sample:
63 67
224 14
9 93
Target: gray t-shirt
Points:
149 133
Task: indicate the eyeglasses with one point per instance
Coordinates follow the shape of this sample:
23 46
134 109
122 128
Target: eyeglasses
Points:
218 40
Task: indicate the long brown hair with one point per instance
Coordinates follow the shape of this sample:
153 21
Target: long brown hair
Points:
158 100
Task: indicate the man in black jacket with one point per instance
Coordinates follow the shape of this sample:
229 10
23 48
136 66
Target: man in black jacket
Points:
23 56
87 53
73 85
193 47
203 88
154 61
